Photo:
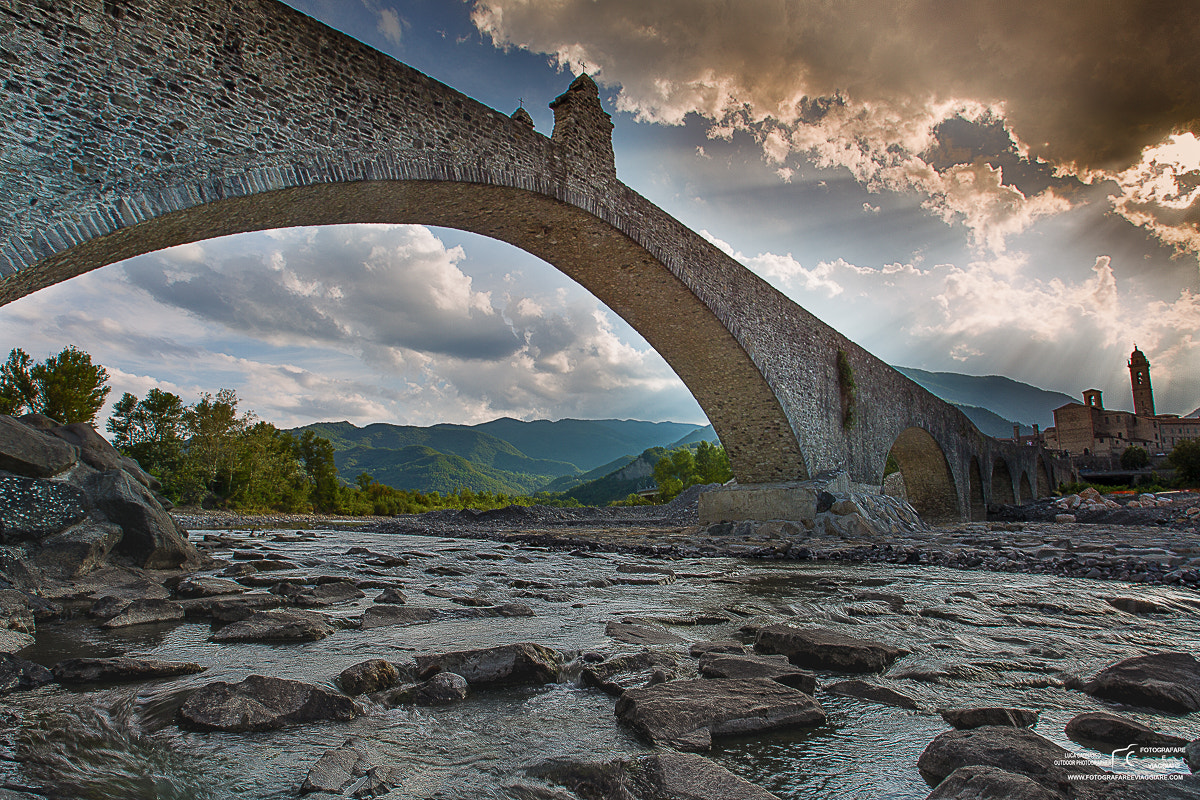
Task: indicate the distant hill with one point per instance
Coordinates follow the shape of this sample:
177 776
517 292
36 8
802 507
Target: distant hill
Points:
705 434
621 483
1195 413
586 443
1009 399
991 423
549 456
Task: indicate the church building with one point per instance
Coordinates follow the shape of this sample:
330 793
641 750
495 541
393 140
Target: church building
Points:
1090 429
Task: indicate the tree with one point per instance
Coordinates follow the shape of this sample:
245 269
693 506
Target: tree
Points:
67 387
316 453
1184 458
1134 457
679 469
150 431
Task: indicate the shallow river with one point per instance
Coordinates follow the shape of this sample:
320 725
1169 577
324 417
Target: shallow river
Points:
977 639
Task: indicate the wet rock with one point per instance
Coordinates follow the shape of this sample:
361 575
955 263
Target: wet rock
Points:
618 674
686 715
776 668
19 675
524 663
442 689
1169 681
276 626
1116 731
196 586
225 608
872 692
141 612
326 594
16 611
665 775
1138 605
384 616
261 703
697 649
120 669
392 595
965 718
1017 750
820 648
344 769
1192 755
990 783
369 676
24 450
640 634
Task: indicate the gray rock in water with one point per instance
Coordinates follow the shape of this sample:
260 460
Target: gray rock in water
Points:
368 676
384 616
697 649
227 608
776 668
261 703
142 612
197 586
120 669
1017 750
392 595
872 692
12 641
965 718
353 767
1114 731
327 594
620 673
820 648
442 689
276 626
19 675
24 450
686 715
1168 681
640 634
510 664
990 783
665 775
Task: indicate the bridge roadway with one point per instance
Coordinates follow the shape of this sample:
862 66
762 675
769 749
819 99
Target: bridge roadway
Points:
130 126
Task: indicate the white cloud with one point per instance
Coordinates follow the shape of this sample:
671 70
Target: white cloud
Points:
389 25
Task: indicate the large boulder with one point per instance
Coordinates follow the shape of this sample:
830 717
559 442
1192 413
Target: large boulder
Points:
24 450
355 766
261 703
821 648
97 453
151 537
368 676
78 550
1018 750
686 715
510 664
1167 681
32 508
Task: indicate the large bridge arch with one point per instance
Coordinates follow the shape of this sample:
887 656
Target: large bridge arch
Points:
170 121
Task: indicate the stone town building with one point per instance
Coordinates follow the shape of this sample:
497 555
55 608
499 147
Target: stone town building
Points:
1090 429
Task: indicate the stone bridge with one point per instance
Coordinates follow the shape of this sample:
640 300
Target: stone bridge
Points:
134 125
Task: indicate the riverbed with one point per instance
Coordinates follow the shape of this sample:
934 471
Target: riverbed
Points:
977 638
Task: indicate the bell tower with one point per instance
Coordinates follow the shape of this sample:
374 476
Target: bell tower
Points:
1139 379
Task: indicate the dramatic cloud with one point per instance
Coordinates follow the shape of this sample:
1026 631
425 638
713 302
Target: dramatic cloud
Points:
366 323
1080 86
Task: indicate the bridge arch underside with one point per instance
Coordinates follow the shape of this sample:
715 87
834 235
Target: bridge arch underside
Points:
928 480
1002 484
631 281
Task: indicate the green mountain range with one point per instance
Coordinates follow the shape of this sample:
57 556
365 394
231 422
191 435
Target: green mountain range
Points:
597 460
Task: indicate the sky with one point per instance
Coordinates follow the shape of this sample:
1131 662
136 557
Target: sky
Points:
990 188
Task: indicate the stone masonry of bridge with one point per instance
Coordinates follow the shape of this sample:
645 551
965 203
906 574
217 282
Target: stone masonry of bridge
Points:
133 125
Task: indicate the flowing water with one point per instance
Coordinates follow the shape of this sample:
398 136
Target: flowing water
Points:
977 639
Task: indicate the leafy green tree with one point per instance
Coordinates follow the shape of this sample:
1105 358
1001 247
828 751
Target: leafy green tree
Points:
67 387
1134 457
712 463
18 392
679 469
151 431
213 428
1184 458
316 453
